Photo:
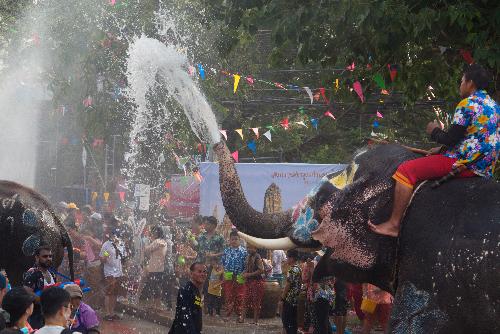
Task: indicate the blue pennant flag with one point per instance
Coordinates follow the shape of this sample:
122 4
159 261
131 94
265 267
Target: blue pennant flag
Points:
375 124
315 123
252 146
202 71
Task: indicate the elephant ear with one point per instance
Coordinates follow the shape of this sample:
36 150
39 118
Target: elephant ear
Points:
31 244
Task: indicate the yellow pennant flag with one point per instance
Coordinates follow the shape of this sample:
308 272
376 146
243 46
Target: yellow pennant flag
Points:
94 196
106 196
240 132
236 82
336 84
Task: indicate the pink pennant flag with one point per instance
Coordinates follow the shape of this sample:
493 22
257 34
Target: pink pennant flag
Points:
359 90
250 80
384 92
122 196
284 123
329 114
351 67
235 156
379 115
112 2
277 84
191 70
240 132
309 92
256 131
224 133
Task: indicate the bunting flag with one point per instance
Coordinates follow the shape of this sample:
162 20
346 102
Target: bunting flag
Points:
201 70
250 80
336 84
271 128
442 49
235 156
351 67
309 92
268 135
112 2
240 132
328 114
224 133
384 91
301 123
121 194
236 82
105 196
94 196
315 123
256 131
302 110
87 102
393 71
467 56
191 70
277 84
379 80
359 90
322 92
376 124
284 123
252 146
379 115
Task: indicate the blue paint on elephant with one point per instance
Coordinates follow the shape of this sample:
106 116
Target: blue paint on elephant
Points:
304 225
31 244
413 312
29 218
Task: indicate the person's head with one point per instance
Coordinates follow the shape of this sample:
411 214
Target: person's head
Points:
214 261
196 224
18 302
475 77
96 217
3 287
156 232
198 273
43 256
210 224
292 256
87 210
56 305
251 249
70 223
234 239
75 293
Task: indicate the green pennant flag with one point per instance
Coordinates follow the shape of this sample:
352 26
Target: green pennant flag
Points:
302 110
271 128
379 80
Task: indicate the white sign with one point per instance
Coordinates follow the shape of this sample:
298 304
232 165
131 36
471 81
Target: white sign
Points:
142 192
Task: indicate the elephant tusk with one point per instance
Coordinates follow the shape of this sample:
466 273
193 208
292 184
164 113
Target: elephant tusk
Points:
280 243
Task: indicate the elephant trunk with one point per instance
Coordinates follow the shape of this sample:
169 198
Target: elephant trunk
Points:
242 215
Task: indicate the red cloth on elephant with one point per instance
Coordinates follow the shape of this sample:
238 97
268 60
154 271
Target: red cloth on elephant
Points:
254 293
234 295
410 172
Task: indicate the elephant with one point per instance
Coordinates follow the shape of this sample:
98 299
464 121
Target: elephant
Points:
442 269
27 221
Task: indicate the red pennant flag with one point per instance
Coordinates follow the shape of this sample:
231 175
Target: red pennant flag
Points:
351 67
235 156
359 90
277 84
467 56
284 123
329 114
250 80
322 92
393 71
168 185
122 196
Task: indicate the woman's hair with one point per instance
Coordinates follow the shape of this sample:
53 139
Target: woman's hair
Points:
479 76
16 302
157 232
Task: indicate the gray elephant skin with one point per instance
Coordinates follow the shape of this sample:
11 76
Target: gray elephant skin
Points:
442 269
27 220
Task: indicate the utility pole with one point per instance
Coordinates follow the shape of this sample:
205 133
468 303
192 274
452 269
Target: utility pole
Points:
106 167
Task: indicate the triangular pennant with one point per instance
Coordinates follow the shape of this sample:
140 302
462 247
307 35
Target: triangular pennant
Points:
384 92
94 196
284 123
301 123
105 196
224 133
122 196
467 56
268 135
309 92
240 132
393 71
191 70
315 123
256 131
201 70
329 114
351 67
236 82
235 156
359 90
277 84
379 80
379 115
252 146
322 91
302 110
442 49
250 80
336 84
271 128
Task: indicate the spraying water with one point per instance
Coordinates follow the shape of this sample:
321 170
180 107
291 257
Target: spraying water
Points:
150 61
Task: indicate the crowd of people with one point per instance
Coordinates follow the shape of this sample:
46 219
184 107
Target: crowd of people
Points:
192 269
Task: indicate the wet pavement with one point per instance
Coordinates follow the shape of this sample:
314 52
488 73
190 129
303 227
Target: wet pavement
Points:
132 325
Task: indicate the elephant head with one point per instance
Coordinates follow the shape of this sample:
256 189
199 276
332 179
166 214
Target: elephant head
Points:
334 214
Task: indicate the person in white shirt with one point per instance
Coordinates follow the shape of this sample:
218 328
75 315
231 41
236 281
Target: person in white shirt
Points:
156 279
278 258
56 307
111 256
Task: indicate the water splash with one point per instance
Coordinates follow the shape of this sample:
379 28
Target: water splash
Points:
151 62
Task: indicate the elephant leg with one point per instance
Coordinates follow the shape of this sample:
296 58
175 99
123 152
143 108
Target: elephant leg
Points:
414 312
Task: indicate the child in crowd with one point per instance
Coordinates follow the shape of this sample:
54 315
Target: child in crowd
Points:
214 296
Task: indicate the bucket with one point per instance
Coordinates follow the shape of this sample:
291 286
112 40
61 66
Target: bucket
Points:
368 305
